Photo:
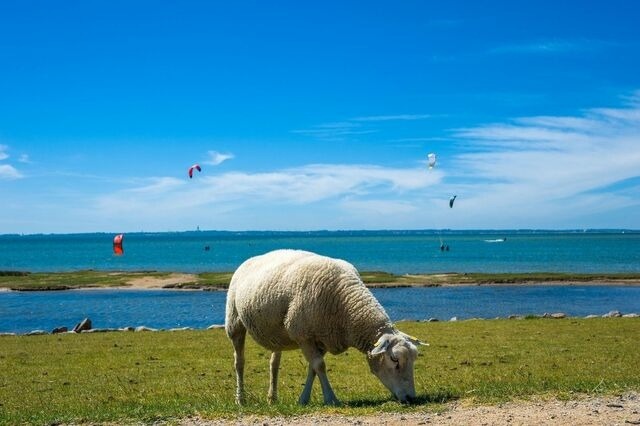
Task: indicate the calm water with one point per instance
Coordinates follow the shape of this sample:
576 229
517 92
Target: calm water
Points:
391 251
25 311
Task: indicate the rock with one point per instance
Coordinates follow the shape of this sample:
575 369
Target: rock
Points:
558 315
215 326
36 333
7 334
592 316
127 329
83 325
612 314
101 330
630 316
454 319
59 330
143 328
433 320
181 329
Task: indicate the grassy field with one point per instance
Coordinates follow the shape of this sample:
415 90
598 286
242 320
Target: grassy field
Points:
128 377
25 281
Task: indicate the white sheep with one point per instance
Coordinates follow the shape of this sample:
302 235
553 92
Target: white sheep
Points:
290 299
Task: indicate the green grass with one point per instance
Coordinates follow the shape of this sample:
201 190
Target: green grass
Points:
143 377
24 281
69 280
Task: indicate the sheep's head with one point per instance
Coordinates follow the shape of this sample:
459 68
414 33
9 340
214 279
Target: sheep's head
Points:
391 360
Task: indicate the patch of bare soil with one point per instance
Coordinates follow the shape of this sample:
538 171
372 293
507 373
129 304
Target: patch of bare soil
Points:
619 410
160 282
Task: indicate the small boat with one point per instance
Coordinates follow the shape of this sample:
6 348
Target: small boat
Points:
497 240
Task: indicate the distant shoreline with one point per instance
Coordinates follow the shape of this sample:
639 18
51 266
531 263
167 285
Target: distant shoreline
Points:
219 281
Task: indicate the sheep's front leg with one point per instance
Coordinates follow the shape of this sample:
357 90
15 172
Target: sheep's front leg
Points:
317 367
274 365
238 339
306 392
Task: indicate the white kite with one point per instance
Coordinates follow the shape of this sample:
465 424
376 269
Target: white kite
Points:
431 160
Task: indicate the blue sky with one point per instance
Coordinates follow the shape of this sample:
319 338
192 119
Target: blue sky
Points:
318 116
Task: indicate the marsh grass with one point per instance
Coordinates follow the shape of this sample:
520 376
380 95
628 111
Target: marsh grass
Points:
25 281
129 377
69 280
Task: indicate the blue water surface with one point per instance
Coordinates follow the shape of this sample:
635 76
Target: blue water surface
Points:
22 312
392 251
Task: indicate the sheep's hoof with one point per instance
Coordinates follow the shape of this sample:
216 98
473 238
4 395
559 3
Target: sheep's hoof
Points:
303 401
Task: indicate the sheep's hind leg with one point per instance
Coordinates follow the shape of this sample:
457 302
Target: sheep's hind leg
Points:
317 367
274 367
238 339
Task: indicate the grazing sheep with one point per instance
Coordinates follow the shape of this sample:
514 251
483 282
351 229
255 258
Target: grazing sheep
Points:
291 299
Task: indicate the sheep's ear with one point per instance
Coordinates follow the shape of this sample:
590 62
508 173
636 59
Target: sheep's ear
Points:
381 346
413 340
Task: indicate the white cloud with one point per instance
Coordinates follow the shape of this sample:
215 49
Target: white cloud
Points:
310 184
530 172
550 170
397 117
3 154
24 158
216 158
549 46
8 172
335 131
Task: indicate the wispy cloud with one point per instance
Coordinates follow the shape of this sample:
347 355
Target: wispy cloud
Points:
3 152
335 131
398 117
357 126
552 169
216 158
8 172
553 46
296 186
539 171
24 158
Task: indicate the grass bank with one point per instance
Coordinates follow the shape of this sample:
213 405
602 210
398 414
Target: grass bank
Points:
142 377
25 281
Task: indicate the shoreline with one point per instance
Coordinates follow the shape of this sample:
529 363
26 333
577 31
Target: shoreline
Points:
149 280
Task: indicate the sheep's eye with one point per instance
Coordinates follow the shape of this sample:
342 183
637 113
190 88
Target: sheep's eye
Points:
394 359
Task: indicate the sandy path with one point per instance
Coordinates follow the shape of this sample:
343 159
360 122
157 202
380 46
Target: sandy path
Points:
620 410
160 282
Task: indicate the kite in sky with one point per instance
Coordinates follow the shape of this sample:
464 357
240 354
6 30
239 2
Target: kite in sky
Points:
431 160
118 250
192 168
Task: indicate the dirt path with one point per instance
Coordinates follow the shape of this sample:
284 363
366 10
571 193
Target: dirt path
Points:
621 410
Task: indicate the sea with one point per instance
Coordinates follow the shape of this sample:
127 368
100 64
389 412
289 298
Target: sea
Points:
399 252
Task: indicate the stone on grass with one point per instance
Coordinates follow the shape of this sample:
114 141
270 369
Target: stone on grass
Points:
144 328
83 325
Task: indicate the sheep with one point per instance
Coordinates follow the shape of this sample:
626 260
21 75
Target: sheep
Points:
293 299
